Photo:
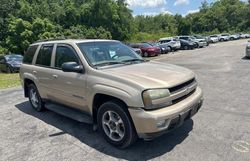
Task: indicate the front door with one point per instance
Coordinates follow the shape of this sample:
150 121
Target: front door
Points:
68 87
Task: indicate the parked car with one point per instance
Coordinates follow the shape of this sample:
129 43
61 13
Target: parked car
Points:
223 37
147 49
198 42
214 38
105 83
164 47
203 38
243 36
248 49
234 37
10 63
185 44
173 43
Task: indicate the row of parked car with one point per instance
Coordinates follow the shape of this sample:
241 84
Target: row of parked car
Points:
167 44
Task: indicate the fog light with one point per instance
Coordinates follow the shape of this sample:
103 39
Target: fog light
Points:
161 123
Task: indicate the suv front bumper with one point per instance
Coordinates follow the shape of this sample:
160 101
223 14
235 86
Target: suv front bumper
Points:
150 124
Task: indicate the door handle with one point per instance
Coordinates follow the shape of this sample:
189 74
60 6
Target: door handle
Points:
35 72
55 76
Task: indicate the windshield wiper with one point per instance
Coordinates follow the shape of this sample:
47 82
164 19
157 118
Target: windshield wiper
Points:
109 63
133 60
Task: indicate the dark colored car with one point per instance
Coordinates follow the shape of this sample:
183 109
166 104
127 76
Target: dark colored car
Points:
185 44
164 47
147 49
10 63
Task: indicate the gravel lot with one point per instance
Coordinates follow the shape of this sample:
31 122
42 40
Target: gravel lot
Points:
219 132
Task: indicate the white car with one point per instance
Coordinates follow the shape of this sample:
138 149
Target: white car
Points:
214 38
248 50
234 37
173 43
223 37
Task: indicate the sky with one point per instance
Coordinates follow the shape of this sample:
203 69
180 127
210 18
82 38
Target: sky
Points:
153 7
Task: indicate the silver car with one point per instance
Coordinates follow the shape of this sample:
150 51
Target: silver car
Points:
248 49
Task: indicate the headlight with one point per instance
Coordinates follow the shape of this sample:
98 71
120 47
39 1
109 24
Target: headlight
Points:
156 98
162 48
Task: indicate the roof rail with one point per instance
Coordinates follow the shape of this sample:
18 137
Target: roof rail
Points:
44 40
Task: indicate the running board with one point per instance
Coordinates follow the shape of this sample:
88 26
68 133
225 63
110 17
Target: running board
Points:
70 113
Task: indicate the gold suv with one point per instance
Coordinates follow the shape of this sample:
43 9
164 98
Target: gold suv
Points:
106 83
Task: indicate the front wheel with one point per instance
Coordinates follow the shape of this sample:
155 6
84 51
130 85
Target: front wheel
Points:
35 99
145 54
115 124
9 69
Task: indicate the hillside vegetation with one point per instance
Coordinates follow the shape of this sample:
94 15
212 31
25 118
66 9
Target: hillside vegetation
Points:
25 21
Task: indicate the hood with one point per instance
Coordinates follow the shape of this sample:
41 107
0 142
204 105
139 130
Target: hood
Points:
16 63
151 74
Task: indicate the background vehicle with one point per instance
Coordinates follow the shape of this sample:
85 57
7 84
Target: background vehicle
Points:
248 49
147 49
164 47
234 37
214 38
187 44
173 43
198 42
105 83
203 38
223 37
10 63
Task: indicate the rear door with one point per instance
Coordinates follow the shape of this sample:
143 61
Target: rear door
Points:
42 69
68 87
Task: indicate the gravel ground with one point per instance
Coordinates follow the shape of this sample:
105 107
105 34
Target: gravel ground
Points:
219 132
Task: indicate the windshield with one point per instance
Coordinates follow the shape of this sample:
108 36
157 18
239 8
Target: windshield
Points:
14 58
108 53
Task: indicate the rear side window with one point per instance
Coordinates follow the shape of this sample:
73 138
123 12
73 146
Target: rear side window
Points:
65 54
44 55
28 56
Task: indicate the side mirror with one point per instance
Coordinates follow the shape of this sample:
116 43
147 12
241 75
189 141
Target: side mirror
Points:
72 67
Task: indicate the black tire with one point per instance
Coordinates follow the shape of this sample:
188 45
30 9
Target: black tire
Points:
129 136
186 47
9 70
40 104
146 54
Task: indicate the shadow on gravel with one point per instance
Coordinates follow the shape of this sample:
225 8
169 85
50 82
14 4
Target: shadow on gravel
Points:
141 150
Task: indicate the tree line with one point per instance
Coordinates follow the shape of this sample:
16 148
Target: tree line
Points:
25 21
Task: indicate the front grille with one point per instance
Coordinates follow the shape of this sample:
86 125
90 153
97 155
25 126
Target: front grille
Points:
181 86
183 97
182 91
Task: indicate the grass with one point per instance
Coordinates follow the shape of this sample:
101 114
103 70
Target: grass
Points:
9 80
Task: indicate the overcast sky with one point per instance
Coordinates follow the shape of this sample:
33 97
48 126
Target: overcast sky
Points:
153 7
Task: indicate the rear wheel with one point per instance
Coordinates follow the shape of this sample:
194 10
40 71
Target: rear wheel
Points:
35 99
185 47
115 124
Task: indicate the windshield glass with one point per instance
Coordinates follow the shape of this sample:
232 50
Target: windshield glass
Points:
14 58
108 53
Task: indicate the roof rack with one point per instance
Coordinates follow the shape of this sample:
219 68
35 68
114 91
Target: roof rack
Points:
45 40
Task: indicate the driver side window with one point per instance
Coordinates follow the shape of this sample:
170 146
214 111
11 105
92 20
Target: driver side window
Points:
65 54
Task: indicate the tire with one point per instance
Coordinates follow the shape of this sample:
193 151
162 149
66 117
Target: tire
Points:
222 40
121 120
185 47
35 98
9 70
196 45
145 54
